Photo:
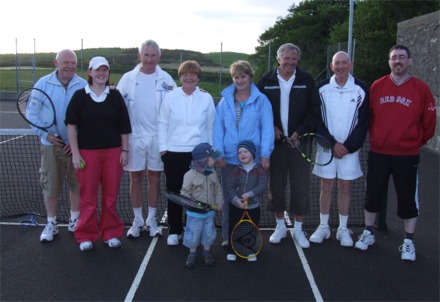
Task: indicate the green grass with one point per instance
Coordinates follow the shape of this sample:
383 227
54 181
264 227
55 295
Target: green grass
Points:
8 80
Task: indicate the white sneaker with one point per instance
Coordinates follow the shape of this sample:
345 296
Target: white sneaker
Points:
344 236
50 230
300 238
113 243
408 250
72 225
86 246
280 233
322 232
231 257
252 258
365 239
136 229
173 239
153 228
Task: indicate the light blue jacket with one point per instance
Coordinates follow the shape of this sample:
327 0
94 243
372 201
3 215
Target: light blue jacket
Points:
60 98
256 124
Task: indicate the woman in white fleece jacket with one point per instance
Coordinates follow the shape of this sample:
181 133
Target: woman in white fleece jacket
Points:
185 120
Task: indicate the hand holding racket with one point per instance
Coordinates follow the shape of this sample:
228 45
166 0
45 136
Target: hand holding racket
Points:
190 204
314 148
246 238
37 108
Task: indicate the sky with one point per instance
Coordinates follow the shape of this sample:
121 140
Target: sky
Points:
198 25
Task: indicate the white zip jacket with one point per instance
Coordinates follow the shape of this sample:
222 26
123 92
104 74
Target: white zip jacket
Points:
185 120
127 87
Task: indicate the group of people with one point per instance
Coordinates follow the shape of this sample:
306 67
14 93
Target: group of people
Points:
147 125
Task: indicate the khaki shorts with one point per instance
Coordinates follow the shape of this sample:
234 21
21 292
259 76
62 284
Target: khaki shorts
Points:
144 153
56 167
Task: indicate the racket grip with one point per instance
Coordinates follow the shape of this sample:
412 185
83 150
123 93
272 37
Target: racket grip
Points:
246 203
213 207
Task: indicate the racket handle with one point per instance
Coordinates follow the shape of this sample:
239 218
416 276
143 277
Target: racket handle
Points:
246 203
213 207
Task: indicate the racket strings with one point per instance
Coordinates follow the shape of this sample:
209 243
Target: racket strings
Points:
37 108
246 239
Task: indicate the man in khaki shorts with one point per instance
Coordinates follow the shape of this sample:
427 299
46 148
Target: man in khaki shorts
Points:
143 89
56 162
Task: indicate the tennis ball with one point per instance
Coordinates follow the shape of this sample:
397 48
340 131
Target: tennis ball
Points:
82 165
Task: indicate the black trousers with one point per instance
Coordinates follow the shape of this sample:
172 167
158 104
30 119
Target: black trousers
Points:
176 164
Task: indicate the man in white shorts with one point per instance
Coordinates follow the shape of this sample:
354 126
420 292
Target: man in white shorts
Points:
143 89
345 117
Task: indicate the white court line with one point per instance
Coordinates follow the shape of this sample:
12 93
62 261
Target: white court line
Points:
307 269
141 271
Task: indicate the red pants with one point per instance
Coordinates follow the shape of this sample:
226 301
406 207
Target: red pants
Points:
102 168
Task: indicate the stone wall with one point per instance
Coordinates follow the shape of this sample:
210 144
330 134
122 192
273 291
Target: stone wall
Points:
421 35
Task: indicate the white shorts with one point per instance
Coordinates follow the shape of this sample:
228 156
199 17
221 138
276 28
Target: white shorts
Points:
144 153
346 168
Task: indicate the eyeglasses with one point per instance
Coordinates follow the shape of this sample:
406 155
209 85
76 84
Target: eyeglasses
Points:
400 58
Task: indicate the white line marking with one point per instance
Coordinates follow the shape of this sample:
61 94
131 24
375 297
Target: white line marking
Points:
141 271
307 270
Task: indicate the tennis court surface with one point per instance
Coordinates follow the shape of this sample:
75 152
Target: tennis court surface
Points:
147 269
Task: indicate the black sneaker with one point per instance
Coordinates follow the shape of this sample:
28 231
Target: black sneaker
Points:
190 261
209 260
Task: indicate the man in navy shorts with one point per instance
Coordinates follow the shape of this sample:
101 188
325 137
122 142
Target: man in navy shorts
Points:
403 119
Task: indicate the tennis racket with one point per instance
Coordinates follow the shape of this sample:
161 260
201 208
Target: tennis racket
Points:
36 107
314 148
190 204
246 238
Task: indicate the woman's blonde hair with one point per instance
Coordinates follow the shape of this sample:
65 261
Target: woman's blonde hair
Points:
241 67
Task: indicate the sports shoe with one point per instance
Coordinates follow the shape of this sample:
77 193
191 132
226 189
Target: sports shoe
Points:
300 238
344 236
86 246
365 239
173 239
322 232
136 229
408 250
209 260
72 225
231 257
50 230
113 243
280 233
190 261
153 228
252 258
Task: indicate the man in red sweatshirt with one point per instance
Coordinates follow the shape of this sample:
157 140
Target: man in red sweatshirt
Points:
403 118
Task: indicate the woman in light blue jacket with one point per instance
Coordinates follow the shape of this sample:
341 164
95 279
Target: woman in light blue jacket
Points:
243 113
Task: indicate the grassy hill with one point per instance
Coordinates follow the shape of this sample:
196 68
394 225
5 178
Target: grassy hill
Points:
121 60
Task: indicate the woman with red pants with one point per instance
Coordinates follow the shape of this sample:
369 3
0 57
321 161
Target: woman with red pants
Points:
98 126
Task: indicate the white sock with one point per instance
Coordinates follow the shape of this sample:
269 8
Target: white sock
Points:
298 226
74 215
343 221
324 218
280 223
151 213
138 214
52 219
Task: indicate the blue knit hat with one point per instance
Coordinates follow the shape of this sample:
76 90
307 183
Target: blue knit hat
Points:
204 150
249 145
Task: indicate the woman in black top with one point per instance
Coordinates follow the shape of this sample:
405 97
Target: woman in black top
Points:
98 126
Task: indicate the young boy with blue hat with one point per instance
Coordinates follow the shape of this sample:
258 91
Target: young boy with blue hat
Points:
248 181
201 183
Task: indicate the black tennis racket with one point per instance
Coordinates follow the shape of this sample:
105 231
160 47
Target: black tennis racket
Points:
246 238
190 204
37 108
314 148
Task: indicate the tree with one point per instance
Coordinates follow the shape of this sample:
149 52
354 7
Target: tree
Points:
307 25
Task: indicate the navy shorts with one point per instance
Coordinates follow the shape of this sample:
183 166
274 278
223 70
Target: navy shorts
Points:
404 169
